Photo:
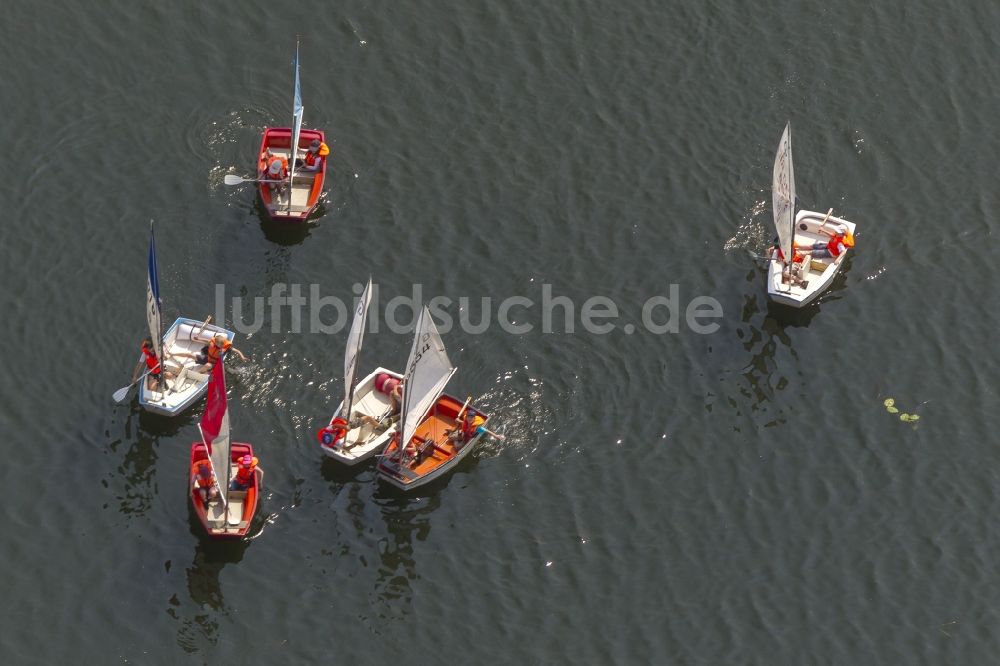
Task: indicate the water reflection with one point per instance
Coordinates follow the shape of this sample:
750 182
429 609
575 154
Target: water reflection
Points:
406 518
204 603
286 233
133 480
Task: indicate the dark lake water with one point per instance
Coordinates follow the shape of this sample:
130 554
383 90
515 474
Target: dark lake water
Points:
736 497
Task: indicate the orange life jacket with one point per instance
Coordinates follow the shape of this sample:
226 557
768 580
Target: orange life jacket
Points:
203 481
214 352
267 168
152 362
470 428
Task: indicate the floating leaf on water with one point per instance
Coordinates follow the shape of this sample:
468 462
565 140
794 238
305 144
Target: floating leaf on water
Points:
914 417
904 417
889 402
892 410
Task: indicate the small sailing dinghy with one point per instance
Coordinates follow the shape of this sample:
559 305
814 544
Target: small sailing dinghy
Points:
215 463
364 421
428 416
796 273
299 196
182 383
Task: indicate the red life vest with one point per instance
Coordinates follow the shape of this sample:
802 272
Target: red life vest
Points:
244 475
214 352
152 362
386 383
332 434
834 245
314 159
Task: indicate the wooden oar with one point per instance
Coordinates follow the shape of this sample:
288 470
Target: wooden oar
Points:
828 214
201 329
233 179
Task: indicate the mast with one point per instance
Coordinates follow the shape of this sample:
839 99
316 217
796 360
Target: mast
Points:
351 360
296 124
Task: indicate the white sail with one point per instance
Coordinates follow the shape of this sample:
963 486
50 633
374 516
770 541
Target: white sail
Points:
353 349
427 373
783 194
153 305
296 122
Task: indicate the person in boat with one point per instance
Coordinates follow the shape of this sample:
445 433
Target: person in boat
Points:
335 434
792 272
276 168
838 244
313 160
216 348
471 427
392 387
204 483
245 471
150 360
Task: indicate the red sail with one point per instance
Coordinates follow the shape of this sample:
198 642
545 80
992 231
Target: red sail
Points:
215 407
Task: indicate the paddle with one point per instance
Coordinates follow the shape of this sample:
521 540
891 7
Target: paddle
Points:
201 329
120 394
828 214
233 179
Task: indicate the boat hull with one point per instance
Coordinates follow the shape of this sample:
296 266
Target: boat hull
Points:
184 336
306 187
443 457
820 273
228 525
361 444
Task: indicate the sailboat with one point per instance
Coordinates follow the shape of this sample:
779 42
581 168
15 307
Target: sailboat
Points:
185 385
426 452
351 445
229 514
302 194
791 278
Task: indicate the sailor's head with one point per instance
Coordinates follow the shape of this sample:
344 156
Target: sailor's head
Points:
275 168
314 146
220 339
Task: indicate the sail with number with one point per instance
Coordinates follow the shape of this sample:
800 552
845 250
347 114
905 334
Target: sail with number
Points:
427 373
353 349
215 427
296 121
783 194
153 305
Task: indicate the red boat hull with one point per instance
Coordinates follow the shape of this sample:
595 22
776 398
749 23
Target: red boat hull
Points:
250 500
278 140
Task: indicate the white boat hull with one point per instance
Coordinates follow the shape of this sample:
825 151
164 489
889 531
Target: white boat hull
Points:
820 272
185 336
362 443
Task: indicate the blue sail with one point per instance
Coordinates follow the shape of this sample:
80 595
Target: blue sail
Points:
153 305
